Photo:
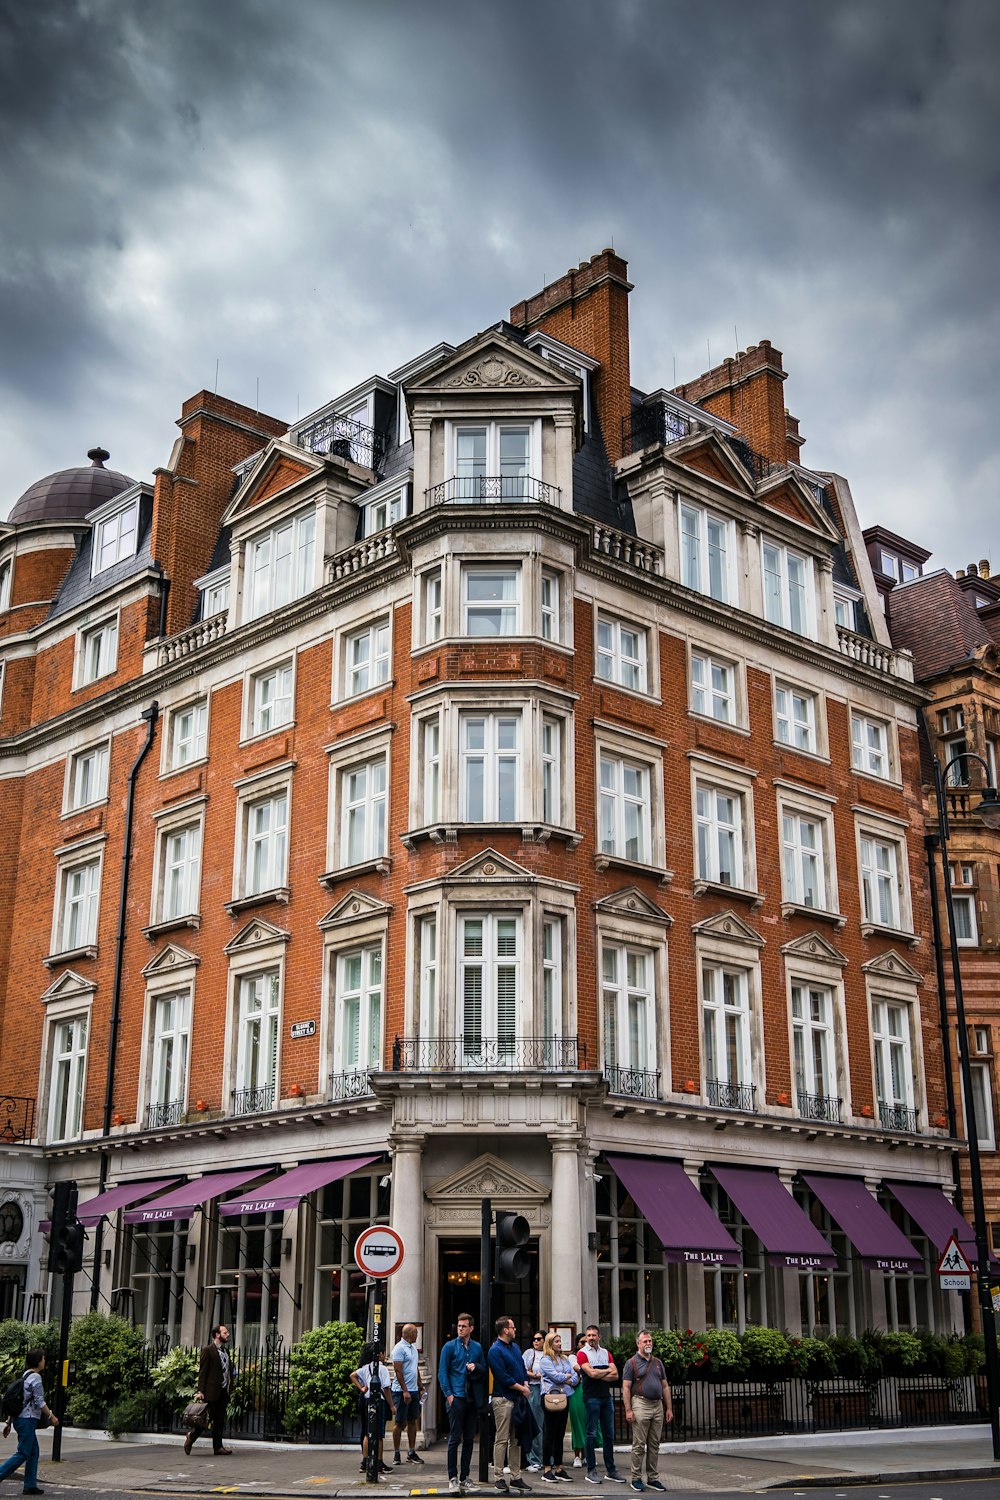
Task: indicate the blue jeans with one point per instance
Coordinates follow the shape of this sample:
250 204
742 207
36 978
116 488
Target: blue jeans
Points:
599 1411
27 1452
535 1400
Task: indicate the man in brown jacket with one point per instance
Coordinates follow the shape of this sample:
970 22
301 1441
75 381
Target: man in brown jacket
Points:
215 1381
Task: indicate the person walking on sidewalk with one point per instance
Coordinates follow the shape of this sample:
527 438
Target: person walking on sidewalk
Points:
32 1412
462 1378
559 1376
510 1381
599 1372
215 1382
646 1397
532 1359
372 1367
406 1391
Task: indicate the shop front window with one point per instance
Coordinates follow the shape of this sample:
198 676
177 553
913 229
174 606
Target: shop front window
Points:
635 1289
343 1210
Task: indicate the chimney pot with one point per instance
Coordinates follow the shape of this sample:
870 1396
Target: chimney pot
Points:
751 349
984 567
971 570
959 572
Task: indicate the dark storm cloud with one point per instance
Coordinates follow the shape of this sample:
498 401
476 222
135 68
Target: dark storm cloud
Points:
310 192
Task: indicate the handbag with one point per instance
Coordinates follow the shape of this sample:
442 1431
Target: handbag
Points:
196 1414
555 1401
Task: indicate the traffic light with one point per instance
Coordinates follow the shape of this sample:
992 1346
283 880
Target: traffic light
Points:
66 1232
513 1233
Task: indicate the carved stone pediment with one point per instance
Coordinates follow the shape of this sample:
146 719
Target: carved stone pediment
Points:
815 946
489 865
68 984
256 934
631 902
727 925
492 370
494 362
356 906
488 1177
893 966
169 959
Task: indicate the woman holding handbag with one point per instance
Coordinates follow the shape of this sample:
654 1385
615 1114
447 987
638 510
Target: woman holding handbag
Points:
559 1376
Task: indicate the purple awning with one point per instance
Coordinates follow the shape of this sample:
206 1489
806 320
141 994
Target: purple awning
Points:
881 1246
938 1217
93 1211
287 1192
683 1222
181 1202
787 1233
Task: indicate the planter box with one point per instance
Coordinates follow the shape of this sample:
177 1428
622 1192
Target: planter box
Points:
751 1413
841 1408
928 1405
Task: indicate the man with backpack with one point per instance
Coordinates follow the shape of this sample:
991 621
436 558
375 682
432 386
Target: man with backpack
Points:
25 1408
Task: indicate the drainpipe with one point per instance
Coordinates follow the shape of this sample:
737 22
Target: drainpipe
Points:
150 715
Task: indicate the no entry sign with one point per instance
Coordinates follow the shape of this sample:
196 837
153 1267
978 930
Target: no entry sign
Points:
378 1251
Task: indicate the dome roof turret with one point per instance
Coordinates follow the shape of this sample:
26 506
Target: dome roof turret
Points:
70 494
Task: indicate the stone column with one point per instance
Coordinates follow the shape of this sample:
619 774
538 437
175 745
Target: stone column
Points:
568 1238
406 1287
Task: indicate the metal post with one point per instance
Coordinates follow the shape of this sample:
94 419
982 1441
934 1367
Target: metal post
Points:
987 1318
376 1402
485 1415
65 1320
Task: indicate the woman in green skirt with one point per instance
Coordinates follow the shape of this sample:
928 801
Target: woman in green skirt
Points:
578 1419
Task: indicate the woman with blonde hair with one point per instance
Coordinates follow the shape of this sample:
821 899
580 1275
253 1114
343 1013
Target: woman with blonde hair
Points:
559 1376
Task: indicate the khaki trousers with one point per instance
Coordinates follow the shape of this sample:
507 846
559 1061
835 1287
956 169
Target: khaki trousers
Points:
506 1449
647 1428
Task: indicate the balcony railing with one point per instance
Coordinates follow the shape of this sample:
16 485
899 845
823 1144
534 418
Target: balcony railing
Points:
367 554
351 1085
485 489
731 1095
631 550
646 425
457 1054
343 437
820 1107
897 1117
190 641
159 1115
253 1101
868 653
17 1119
633 1083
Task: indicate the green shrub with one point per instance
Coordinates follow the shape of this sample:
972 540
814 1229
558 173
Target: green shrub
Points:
901 1353
725 1354
320 1368
812 1359
856 1359
766 1353
974 1350
16 1339
110 1363
175 1377
128 1413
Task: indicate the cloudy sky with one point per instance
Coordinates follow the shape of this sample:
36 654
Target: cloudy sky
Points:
311 191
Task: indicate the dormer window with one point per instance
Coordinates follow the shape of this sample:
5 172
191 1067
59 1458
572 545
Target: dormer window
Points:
386 509
897 567
214 588
845 604
493 461
280 565
115 537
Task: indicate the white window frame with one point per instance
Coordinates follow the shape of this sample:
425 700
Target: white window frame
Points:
258 1012
981 1078
170 1048
617 660
966 928
364 816
884 884
432 584
845 606
501 1018
72 1061
550 593
782 609
89 858
708 695
815 1033
695 549
385 510
509 611
498 761
552 769
430 734
190 747
711 827
886 1042
187 825
110 534
552 1018
272 789
367 657
803 863
872 759
623 996
263 589
719 1006
6 580
371 808
270 699
623 812
428 1009
87 777
97 651
215 590
368 995
796 717
492 469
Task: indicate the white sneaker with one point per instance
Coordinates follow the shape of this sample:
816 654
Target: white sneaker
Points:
578 1462
454 1488
534 1468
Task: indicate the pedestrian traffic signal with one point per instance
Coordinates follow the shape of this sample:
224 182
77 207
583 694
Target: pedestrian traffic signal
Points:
513 1233
66 1232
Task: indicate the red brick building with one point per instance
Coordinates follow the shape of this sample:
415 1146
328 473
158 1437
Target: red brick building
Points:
525 802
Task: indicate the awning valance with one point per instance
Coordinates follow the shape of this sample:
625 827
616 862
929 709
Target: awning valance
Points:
683 1222
287 1191
880 1244
787 1233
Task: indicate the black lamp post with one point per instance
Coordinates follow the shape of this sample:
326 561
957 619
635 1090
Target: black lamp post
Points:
988 811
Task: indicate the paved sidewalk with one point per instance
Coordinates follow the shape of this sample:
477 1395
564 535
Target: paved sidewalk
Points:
92 1461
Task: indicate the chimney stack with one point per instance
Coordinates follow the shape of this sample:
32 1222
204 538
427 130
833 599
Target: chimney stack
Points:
747 391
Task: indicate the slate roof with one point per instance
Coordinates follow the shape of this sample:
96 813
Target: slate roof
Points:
932 617
78 586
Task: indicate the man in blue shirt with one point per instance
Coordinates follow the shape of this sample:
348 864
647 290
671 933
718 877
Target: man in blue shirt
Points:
461 1376
406 1394
510 1380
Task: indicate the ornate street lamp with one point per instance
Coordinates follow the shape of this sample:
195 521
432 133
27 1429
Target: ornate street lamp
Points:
988 811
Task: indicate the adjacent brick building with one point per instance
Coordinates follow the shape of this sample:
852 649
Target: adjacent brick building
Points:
526 803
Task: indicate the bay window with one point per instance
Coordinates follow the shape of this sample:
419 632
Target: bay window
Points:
787 588
491 600
489 767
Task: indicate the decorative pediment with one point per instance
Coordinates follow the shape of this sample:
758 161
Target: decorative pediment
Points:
892 965
494 363
789 496
489 1177
170 959
489 865
631 902
69 985
256 934
706 453
281 466
356 906
730 928
815 946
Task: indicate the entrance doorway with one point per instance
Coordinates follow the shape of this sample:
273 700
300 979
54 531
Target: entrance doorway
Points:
459 1270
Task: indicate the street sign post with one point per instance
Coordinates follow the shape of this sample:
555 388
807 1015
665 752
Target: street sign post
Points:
954 1270
378 1251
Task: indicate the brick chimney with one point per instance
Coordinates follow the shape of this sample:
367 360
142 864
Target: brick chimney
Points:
588 308
747 391
192 492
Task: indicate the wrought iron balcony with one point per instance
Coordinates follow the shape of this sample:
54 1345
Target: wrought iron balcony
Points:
897 1117
17 1119
646 425
352 1085
343 437
471 1054
820 1107
633 1083
253 1101
159 1115
479 489
731 1095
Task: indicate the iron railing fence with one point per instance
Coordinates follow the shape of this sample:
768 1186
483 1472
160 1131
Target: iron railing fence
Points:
819 1107
633 1083
646 425
725 1095
253 1101
17 1119
169 1113
473 1053
475 489
343 437
897 1116
352 1085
